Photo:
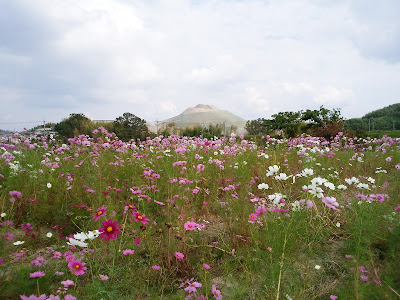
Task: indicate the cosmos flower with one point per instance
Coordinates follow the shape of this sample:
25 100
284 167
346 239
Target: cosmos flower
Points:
109 230
77 267
37 274
100 212
179 255
331 203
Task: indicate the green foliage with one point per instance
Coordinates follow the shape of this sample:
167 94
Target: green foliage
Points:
322 122
129 126
205 132
258 127
75 125
387 118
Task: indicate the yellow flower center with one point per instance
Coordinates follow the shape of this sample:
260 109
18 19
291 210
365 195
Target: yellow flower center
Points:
76 266
109 229
140 217
100 212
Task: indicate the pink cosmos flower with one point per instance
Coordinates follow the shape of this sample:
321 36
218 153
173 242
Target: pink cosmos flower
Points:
100 212
179 255
33 297
37 274
216 293
192 287
189 225
77 267
331 203
15 194
109 230
364 277
57 254
206 266
332 297
128 252
38 261
200 168
252 218
156 267
67 283
69 297
52 297
103 277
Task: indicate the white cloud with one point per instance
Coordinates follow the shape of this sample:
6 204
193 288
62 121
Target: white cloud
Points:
156 58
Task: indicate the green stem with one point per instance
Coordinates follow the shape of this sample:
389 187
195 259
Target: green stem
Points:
281 267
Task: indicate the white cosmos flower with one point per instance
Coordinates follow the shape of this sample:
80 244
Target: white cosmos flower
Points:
307 172
263 186
273 170
3 215
342 187
73 242
18 243
49 185
317 267
363 186
329 185
281 176
49 234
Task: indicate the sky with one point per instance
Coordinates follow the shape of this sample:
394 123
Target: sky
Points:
156 58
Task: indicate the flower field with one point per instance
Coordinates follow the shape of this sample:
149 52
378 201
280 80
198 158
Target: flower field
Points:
176 218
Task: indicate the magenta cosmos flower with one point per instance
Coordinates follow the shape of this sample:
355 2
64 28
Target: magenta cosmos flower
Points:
140 218
109 230
100 212
77 267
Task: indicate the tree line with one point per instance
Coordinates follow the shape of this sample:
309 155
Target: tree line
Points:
126 127
319 122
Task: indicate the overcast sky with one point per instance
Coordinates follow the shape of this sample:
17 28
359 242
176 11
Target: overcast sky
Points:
156 58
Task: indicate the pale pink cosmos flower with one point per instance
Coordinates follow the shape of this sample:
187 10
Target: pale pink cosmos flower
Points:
33 297
67 283
216 293
331 203
103 277
192 287
69 297
37 274
206 266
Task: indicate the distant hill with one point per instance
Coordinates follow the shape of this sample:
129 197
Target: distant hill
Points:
387 118
391 111
203 115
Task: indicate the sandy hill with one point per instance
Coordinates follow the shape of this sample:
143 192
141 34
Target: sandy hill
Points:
203 115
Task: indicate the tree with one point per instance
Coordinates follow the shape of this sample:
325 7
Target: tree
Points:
129 126
75 125
258 127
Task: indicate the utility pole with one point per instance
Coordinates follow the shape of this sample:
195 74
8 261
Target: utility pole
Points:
157 122
369 124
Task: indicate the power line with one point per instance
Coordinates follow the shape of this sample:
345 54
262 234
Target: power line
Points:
26 122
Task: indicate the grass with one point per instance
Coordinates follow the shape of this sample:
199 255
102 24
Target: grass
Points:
280 242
